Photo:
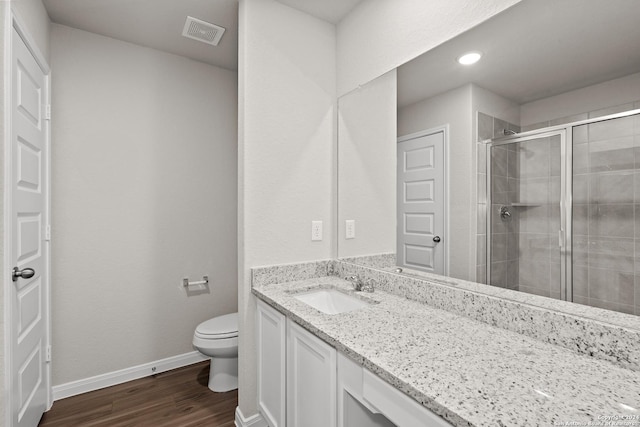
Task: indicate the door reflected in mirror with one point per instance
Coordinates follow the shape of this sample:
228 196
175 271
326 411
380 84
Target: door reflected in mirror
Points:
421 201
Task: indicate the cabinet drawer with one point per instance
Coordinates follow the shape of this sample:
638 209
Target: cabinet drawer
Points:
397 406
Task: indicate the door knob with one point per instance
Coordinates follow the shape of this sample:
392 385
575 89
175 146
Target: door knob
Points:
436 239
25 273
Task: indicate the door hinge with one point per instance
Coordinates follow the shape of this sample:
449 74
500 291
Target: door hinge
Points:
48 355
47 112
47 233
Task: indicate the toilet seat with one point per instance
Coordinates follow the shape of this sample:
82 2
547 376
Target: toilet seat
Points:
218 328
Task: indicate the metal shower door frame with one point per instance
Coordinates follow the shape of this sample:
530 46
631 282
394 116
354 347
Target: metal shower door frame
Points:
566 184
566 177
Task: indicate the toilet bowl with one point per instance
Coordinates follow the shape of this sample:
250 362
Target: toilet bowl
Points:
218 339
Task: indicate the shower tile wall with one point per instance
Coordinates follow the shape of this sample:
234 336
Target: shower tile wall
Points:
538 208
505 186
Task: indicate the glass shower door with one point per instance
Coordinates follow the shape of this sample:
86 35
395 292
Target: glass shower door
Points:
526 226
606 213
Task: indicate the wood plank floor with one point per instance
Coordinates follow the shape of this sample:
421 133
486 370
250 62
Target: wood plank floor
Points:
174 398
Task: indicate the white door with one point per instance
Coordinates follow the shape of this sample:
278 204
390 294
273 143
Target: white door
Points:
28 250
421 205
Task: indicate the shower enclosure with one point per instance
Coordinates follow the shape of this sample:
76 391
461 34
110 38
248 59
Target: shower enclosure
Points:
563 212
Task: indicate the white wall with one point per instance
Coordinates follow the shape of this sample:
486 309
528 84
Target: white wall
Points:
144 193
608 94
287 122
367 176
287 92
494 105
452 108
379 35
34 17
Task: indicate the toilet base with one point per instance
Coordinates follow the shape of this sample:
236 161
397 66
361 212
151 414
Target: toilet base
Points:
223 374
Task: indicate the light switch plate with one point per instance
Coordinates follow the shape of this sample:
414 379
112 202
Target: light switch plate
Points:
350 229
316 230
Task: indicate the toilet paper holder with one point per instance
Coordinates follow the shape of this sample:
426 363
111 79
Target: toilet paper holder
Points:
186 283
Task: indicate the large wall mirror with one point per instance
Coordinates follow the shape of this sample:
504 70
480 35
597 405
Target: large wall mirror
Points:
520 171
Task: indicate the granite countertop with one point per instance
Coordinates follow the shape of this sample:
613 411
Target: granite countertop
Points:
468 372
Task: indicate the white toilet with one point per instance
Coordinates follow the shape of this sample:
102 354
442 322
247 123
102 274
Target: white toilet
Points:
218 339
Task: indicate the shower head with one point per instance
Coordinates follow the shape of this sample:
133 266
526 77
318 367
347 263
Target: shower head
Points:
506 132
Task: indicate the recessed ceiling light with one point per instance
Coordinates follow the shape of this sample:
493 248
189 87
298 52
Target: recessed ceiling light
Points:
469 58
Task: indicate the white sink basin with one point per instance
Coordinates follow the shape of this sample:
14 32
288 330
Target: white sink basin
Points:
331 301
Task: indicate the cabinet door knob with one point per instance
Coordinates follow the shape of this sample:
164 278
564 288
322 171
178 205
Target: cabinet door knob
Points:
436 239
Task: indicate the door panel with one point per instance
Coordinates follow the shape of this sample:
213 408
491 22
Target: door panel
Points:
418 191
419 256
28 238
29 93
421 203
419 223
29 167
29 299
28 209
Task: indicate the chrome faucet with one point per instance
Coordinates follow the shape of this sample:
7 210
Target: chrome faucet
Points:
369 285
358 285
355 282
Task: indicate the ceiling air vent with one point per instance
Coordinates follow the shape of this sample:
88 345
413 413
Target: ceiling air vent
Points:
202 31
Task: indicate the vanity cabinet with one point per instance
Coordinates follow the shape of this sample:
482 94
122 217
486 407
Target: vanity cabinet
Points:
304 382
296 373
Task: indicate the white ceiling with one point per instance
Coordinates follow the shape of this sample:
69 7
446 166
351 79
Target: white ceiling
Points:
158 23
533 50
328 10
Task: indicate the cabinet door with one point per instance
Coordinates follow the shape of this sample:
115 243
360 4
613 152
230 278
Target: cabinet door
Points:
311 380
271 328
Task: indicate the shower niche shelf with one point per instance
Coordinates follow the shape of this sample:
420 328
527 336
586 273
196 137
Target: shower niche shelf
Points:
524 205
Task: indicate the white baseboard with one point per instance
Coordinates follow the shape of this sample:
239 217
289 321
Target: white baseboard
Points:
253 421
122 376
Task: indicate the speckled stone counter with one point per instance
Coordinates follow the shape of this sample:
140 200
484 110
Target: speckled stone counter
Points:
598 333
468 372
